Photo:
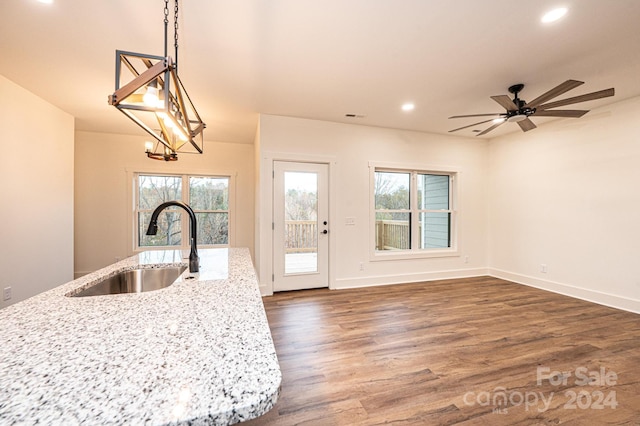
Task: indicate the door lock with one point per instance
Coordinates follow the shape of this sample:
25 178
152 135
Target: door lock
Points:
325 232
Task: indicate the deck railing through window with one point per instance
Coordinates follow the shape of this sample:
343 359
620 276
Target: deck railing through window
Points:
301 236
392 235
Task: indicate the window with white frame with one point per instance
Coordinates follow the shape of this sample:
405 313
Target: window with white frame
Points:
413 212
208 196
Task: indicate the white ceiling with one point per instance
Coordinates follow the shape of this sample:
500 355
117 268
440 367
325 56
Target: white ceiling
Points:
322 59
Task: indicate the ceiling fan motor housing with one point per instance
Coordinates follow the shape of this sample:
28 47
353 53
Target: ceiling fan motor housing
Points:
522 112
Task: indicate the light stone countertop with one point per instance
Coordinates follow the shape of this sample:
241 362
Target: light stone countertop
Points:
199 351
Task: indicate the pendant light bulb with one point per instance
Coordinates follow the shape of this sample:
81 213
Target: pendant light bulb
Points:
150 97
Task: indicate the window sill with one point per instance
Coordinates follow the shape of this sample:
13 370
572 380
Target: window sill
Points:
387 255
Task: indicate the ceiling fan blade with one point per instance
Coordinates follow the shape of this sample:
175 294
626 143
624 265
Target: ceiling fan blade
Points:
470 125
477 115
573 113
506 102
526 125
484 132
582 98
556 91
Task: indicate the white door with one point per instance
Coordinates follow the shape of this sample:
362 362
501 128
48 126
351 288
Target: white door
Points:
300 225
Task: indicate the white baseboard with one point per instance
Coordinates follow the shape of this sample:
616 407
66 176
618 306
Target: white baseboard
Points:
371 281
601 298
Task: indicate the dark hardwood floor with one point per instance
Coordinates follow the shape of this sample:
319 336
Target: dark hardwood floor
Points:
451 352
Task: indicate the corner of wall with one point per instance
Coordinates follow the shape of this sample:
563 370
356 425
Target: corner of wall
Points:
43 176
599 297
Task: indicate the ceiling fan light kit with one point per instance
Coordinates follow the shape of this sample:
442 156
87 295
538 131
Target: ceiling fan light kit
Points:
516 118
519 111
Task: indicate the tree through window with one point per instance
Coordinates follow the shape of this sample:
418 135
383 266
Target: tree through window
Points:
208 196
413 210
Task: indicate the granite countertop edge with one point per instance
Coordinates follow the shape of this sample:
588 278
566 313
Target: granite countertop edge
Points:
197 352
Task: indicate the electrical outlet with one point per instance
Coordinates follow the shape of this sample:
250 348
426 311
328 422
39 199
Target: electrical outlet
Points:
6 294
466 259
362 266
543 268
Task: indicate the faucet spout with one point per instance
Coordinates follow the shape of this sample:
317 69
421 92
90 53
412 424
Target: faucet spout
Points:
194 260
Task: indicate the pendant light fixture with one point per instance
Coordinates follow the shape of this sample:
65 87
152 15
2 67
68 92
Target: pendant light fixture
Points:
149 92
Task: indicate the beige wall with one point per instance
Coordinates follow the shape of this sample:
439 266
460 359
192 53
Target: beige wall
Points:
102 204
562 195
566 196
36 238
349 149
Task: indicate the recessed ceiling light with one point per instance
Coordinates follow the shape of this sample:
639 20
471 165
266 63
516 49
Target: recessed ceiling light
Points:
46 1
554 15
408 107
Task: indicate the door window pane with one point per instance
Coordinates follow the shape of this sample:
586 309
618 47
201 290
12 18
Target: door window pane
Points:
301 222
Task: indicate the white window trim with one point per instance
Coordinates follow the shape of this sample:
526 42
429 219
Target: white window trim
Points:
453 172
132 193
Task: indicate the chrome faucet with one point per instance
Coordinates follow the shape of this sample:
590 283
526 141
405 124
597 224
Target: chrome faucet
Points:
194 261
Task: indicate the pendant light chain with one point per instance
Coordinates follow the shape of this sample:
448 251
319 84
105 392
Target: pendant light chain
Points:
175 32
166 25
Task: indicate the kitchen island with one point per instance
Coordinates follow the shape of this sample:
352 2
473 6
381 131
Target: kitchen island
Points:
199 351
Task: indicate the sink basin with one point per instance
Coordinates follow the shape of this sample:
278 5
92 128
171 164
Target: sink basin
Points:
134 281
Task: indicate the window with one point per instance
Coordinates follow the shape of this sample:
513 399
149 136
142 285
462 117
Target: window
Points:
413 212
208 196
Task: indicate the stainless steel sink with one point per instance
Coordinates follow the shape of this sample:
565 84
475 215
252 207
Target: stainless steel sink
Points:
134 281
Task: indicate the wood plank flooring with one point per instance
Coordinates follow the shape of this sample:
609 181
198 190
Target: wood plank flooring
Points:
448 352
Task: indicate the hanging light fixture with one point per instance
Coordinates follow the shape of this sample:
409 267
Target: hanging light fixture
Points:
149 92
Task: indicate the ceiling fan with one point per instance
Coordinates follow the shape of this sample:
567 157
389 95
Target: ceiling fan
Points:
519 111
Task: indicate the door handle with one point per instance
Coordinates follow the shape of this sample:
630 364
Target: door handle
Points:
325 232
